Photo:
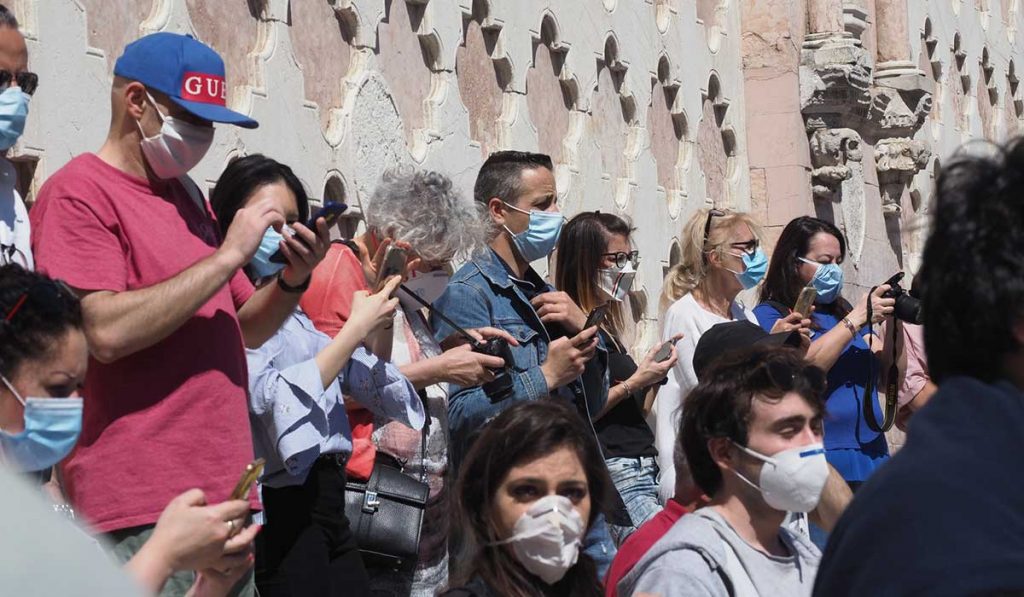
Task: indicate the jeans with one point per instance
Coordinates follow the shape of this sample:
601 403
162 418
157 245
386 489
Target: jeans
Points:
599 546
636 480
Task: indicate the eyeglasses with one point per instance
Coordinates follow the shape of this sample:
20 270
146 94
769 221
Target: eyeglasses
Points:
621 258
49 296
12 254
749 247
28 82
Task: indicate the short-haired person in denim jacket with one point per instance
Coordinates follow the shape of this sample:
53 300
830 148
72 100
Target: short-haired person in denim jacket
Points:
498 288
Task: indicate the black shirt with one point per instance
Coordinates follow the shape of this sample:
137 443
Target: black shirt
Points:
623 432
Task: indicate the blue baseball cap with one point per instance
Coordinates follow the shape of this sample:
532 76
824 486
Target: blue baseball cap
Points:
185 70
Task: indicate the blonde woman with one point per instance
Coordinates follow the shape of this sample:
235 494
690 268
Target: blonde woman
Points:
721 256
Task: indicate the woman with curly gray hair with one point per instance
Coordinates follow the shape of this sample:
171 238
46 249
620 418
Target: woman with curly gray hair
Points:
421 212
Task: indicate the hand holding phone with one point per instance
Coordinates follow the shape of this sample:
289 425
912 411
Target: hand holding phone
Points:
249 475
664 352
394 263
330 212
805 301
596 316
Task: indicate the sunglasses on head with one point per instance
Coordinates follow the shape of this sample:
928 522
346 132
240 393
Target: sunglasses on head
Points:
714 213
28 82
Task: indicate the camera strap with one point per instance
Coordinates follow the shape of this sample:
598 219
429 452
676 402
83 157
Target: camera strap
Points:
891 394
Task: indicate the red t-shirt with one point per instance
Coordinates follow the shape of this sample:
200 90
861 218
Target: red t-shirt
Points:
172 416
634 548
328 303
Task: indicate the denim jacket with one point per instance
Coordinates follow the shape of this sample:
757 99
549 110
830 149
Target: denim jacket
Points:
482 294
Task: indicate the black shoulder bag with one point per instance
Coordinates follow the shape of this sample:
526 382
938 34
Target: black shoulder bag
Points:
386 512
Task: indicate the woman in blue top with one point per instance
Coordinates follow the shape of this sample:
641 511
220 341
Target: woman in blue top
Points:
809 253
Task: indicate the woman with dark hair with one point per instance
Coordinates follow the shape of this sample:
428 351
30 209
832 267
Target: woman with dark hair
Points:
43 361
529 489
809 253
596 266
297 410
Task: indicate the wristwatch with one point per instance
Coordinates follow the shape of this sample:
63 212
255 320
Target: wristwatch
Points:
294 289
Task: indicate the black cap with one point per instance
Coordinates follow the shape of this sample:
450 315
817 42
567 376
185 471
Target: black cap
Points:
734 335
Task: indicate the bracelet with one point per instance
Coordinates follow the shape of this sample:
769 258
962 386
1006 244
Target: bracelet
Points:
625 384
294 289
849 325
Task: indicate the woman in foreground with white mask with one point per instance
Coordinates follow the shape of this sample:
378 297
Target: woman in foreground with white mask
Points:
596 266
43 361
529 489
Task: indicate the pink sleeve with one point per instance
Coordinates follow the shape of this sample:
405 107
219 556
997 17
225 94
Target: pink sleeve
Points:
241 289
917 366
74 243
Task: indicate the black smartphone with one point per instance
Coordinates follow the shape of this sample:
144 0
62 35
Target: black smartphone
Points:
394 265
664 352
596 316
330 211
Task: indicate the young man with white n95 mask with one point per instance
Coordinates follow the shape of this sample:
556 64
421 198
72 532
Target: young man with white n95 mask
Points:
752 434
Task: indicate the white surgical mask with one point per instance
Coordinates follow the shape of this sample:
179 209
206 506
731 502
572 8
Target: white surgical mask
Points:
616 281
177 148
428 286
546 539
791 480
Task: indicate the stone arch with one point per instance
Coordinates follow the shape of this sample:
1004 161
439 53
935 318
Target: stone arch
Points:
323 43
669 133
109 31
931 66
987 96
335 190
711 14
238 32
959 83
484 73
408 54
716 144
1009 10
664 10
612 125
1013 108
551 93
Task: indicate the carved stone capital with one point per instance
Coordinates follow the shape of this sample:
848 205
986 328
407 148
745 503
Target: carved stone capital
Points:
835 80
897 160
831 150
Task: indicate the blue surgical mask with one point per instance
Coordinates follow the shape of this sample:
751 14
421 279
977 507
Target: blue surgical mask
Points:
827 281
52 426
13 112
540 236
755 265
261 264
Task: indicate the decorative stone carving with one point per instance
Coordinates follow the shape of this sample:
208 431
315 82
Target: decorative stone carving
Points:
831 151
897 160
835 81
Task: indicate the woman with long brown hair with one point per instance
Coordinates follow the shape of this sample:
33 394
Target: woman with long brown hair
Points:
596 265
529 489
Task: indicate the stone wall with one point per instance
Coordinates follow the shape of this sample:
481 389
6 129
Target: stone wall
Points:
652 108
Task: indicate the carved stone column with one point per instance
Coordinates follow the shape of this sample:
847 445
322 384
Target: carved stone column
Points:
893 41
825 24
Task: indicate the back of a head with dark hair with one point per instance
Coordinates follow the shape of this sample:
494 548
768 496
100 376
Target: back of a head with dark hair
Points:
246 175
34 329
7 18
501 175
722 403
521 434
583 241
782 282
972 273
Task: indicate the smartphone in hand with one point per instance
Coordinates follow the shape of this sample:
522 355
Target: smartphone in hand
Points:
394 265
249 475
664 352
330 212
596 316
805 301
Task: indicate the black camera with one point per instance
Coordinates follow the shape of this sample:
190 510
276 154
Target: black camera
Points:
907 308
500 387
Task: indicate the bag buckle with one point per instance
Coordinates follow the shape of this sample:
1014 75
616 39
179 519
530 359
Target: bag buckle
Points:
370 502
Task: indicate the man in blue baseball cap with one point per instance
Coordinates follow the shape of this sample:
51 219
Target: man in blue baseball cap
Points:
167 311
